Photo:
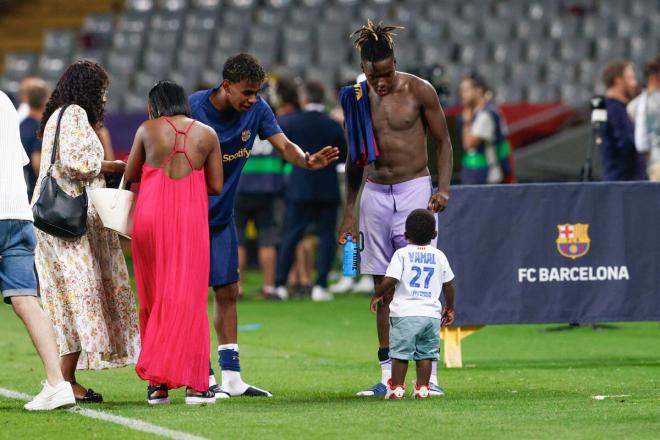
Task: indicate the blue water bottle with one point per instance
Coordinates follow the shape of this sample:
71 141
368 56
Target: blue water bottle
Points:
351 263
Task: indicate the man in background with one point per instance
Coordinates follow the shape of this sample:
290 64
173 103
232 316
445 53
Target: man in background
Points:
486 151
311 196
35 94
259 189
645 112
619 157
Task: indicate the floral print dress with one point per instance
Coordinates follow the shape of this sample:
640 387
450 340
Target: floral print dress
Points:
84 283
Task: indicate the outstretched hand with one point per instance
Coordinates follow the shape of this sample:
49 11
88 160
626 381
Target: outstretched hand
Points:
322 158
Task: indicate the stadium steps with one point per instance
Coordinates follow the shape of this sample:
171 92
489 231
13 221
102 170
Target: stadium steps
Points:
24 22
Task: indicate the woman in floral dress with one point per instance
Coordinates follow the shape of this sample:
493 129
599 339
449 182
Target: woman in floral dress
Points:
84 283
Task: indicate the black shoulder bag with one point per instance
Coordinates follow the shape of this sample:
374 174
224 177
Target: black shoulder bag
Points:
55 212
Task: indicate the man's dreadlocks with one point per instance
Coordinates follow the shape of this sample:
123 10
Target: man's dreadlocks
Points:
375 41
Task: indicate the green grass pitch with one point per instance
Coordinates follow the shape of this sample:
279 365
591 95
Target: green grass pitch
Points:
518 383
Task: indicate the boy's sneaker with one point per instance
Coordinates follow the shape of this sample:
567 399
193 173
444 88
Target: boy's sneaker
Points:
395 392
435 390
281 294
51 397
420 392
365 285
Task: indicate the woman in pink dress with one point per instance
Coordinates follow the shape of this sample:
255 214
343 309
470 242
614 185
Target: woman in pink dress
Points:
177 161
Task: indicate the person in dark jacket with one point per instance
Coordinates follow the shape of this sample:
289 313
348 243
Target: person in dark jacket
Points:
311 197
618 153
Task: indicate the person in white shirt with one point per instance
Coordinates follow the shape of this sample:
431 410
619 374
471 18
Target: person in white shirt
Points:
419 273
18 282
645 111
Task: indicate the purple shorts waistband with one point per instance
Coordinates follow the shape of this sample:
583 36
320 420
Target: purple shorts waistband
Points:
402 187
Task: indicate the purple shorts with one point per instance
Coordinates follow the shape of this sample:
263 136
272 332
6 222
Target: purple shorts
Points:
383 213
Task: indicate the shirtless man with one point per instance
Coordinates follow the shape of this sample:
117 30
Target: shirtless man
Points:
403 108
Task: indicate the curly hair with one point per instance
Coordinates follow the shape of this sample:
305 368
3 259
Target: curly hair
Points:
241 67
420 227
82 83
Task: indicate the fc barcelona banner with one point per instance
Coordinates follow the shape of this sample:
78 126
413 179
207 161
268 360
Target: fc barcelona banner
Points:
554 253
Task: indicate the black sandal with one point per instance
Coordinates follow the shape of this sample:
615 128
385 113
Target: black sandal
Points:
90 396
198 397
160 400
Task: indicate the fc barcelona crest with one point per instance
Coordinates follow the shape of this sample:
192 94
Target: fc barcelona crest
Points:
573 240
245 136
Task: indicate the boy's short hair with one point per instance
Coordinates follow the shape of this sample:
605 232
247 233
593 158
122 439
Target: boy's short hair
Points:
420 227
241 67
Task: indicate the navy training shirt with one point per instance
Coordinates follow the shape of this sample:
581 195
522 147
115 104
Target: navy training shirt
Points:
237 132
618 153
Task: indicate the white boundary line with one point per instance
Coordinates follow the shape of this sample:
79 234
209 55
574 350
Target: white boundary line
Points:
137 425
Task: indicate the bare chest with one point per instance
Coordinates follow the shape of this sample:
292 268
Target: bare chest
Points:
394 112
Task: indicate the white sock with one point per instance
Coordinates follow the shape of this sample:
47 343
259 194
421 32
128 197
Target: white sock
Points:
434 372
212 380
385 371
231 380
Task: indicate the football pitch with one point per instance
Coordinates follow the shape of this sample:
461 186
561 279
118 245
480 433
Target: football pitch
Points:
519 382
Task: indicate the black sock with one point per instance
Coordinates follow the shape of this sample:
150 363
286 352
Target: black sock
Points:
383 354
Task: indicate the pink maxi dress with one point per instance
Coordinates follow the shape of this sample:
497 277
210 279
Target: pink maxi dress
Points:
170 246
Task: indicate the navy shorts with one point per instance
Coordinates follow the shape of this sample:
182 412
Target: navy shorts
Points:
17 243
224 255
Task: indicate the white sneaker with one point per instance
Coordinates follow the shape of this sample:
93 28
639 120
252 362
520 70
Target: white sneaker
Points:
320 294
282 293
344 285
365 285
51 397
420 392
395 392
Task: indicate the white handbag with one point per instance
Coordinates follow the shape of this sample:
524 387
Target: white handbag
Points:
115 207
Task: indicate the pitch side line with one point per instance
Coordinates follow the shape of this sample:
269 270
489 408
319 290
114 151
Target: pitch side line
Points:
137 425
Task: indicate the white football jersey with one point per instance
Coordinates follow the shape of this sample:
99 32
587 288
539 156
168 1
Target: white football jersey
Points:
421 271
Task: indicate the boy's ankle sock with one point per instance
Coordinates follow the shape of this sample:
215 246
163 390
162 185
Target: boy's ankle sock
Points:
231 369
434 372
385 365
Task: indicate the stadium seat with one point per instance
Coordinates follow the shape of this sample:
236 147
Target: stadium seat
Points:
573 51
559 72
101 28
200 21
137 22
528 30
52 67
230 38
172 5
135 103
164 42
121 63
539 93
206 5
509 52
437 54
609 48
497 30
18 65
144 81
140 5
157 63
59 43
128 42
271 16
166 21
305 15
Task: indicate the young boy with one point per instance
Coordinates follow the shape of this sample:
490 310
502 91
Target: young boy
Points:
420 273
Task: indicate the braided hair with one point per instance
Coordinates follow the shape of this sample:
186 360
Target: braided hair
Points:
375 41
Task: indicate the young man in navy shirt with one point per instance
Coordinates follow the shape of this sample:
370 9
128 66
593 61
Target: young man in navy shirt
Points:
238 115
620 158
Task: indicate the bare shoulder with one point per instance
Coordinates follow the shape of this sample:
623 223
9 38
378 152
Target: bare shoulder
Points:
418 86
207 132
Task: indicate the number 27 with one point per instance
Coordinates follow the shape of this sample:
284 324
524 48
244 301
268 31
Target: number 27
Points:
418 273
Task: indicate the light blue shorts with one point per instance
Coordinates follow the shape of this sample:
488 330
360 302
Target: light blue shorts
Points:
17 243
414 338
